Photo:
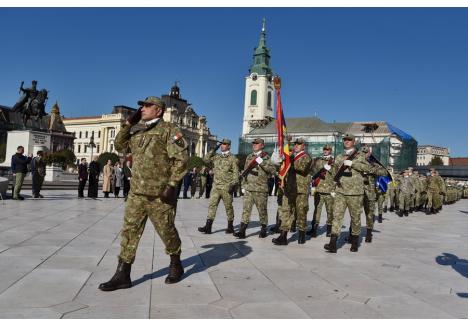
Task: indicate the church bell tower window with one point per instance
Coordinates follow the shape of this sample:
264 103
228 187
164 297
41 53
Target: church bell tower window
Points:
253 97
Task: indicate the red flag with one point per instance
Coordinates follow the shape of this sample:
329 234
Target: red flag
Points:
281 132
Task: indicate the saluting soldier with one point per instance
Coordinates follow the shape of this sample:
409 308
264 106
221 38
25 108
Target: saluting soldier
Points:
295 202
258 168
226 174
349 192
160 158
323 187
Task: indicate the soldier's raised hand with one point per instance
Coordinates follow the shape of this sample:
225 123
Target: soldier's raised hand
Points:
135 118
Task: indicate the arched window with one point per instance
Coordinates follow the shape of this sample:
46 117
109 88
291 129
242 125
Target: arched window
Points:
253 97
269 100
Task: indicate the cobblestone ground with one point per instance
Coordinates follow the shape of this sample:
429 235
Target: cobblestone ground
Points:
55 251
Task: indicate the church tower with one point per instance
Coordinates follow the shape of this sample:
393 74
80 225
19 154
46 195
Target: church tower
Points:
259 90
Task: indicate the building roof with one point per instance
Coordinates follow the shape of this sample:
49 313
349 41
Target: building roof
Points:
458 161
84 118
303 125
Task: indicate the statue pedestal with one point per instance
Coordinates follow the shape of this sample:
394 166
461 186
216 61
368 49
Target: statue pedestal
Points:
53 173
32 141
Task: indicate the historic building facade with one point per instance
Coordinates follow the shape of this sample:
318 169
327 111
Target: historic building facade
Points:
427 152
103 129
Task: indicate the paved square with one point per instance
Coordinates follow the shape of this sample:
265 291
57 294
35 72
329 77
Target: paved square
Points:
55 251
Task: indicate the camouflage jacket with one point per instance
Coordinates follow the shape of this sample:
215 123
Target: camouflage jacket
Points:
406 186
257 179
226 172
415 181
432 184
298 178
352 181
326 184
441 184
369 178
159 156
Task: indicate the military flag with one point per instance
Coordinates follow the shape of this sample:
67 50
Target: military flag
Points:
281 132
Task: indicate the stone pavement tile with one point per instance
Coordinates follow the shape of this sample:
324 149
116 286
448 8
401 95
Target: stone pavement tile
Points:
30 251
67 307
29 313
12 238
3 248
125 311
275 310
50 239
338 309
64 262
15 267
306 285
188 311
405 306
453 304
44 287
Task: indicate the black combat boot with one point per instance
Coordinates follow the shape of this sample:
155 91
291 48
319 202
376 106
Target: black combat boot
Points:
293 226
400 213
314 230
230 228
391 209
385 209
406 213
263 231
348 237
354 243
301 238
121 278
380 218
311 231
241 233
369 235
329 229
411 210
282 240
207 228
428 211
331 247
175 270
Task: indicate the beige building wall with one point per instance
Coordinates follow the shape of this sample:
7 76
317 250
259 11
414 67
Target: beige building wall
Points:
427 152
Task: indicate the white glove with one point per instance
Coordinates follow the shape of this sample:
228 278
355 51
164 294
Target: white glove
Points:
327 167
259 160
312 191
348 162
333 194
243 191
276 158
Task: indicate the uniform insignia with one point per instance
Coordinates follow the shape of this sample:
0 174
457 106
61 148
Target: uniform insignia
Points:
178 140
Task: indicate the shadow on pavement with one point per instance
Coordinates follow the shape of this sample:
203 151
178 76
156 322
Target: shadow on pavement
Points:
217 254
457 264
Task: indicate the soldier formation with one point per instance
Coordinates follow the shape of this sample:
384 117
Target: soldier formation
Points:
352 180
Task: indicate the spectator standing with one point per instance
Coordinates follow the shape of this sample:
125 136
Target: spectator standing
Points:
19 168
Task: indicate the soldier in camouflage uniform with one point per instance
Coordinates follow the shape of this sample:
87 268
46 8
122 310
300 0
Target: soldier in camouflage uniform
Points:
423 197
258 168
392 192
203 179
296 194
370 193
159 162
226 176
194 182
322 191
438 200
406 189
349 193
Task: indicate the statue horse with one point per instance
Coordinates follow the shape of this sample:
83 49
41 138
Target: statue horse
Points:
36 107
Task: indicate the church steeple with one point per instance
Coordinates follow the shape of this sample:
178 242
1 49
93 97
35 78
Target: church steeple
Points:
261 57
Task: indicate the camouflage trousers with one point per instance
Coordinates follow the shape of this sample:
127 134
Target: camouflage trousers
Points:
137 211
392 198
404 201
381 201
434 199
416 199
369 210
320 199
294 206
202 186
260 199
423 198
354 205
215 197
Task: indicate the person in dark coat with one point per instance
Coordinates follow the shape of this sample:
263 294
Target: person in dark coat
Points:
94 171
187 182
38 170
19 168
82 177
127 170
209 183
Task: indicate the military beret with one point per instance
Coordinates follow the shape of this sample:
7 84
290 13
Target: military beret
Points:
327 146
153 100
258 141
349 136
226 141
299 141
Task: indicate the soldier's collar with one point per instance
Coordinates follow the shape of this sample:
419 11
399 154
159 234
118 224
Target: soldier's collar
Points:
258 153
226 153
152 123
349 151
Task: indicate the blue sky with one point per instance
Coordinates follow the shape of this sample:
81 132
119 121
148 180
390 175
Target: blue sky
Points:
405 66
